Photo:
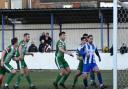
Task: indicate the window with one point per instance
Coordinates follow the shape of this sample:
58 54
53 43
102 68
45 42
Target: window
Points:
16 4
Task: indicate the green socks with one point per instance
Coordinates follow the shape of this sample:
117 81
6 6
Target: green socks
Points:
75 80
9 78
58 78
64 78
29 80
19 78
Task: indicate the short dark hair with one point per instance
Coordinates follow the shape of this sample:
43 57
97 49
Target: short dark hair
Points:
90 36
47 33
61 33
25 34
14 40
82 38
85 34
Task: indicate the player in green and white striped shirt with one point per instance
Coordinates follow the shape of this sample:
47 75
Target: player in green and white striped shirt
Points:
7 55
24 71
64 70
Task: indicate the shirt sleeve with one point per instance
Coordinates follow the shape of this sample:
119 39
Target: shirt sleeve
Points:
82 51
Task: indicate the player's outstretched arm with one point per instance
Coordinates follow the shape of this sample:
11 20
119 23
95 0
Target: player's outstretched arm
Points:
29 53
65 51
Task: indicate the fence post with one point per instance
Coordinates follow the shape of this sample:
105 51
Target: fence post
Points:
3 31
52 28
101 29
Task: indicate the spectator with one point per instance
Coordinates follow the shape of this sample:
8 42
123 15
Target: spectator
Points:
42 37
32 48
41 46
123 48
48 39
111 50
47 48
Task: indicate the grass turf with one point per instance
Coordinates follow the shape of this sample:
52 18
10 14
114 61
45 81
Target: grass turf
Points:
44 80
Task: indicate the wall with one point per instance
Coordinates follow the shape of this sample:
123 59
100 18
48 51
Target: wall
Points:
46 61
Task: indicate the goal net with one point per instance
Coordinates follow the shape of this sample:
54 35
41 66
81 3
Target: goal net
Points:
122 39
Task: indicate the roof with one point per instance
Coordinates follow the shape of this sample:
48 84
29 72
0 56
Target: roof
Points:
77 0
81 15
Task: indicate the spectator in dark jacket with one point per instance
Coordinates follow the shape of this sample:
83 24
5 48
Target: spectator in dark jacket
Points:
47 48
41 46
48 39
32 48
123 48
42 37
111 50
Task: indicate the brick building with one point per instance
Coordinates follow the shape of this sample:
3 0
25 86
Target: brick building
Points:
18 4
4 4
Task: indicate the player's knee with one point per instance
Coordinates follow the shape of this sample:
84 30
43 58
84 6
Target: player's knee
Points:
85 76
78 73
1 77
62 73
26 72
14 71
69 71
97 71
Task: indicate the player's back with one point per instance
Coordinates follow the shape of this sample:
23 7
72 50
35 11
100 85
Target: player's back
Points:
10 52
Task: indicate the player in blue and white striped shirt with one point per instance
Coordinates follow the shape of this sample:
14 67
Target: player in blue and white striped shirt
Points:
90 63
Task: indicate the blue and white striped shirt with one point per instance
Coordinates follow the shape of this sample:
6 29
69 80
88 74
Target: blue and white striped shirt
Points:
89 53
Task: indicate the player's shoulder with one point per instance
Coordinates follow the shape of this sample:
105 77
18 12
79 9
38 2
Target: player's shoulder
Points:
21 42
80 47
9 48
61 42
93 46
86 45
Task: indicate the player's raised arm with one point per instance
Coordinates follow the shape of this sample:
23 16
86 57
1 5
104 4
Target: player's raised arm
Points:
29 53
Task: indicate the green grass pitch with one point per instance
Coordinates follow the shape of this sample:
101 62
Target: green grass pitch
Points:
44 80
